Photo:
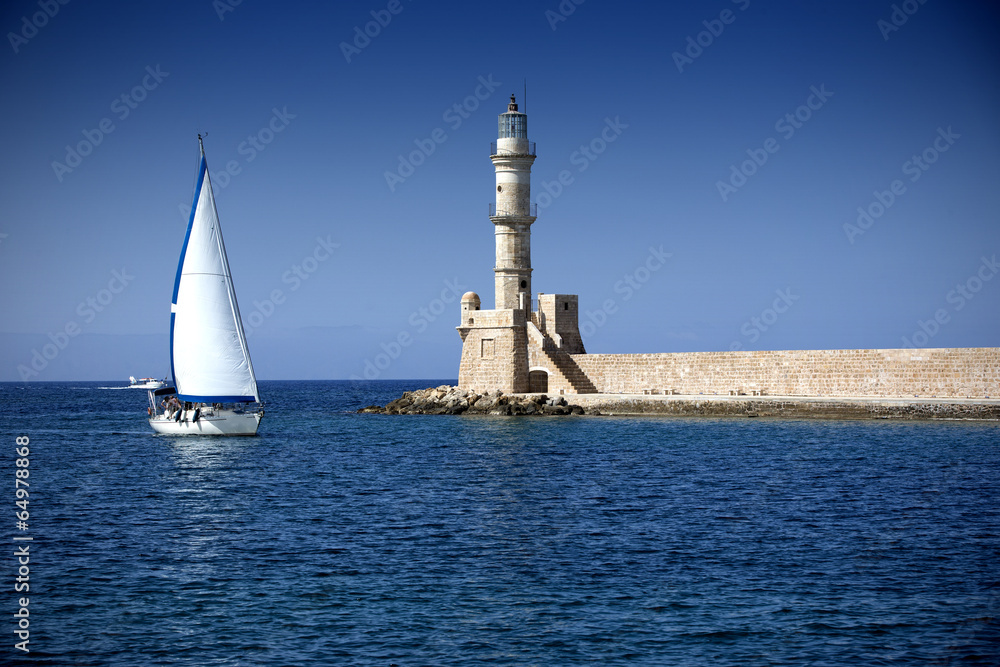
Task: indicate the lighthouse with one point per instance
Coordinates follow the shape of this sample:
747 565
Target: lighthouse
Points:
515 347
513 212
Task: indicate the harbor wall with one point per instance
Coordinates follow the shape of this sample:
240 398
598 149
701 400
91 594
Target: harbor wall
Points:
902 373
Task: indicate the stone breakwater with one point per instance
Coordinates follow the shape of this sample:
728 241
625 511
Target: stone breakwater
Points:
793 407
446 400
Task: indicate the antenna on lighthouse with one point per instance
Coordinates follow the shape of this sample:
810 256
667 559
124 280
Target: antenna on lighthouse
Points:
525 99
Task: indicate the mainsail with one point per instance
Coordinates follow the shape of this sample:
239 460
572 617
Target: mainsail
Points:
209 357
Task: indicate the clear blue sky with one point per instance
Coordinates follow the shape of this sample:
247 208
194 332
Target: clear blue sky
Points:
686 92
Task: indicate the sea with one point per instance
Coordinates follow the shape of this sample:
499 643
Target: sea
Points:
337 538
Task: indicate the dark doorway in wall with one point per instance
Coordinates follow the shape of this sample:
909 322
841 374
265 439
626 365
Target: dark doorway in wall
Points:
538 382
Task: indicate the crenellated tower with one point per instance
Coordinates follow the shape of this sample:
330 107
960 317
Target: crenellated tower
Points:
513 213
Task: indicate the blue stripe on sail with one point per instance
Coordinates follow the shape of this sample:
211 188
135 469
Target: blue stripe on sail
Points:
202 168
173 375
216 399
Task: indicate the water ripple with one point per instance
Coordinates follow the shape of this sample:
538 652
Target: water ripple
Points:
335 538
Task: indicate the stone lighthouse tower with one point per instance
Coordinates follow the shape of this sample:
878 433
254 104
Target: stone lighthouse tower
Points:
514 347
513 213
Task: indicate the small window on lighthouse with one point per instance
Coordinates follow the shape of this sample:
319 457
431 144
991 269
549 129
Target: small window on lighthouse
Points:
524 283
499 188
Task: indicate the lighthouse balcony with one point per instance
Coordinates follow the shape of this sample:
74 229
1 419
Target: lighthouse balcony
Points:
513 212
506 152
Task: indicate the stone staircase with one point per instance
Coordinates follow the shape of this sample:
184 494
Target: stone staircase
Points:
565 373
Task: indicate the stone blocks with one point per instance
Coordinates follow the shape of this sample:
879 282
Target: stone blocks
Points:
494 351
941 373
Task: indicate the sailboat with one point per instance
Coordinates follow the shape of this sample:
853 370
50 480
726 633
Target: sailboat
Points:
215 390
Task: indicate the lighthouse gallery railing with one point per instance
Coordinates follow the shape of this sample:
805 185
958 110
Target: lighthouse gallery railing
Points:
505 212
531 150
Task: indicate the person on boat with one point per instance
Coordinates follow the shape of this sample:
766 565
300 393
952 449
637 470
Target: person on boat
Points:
170 406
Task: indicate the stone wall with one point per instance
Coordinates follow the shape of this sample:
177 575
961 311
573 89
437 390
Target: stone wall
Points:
944 372
494 351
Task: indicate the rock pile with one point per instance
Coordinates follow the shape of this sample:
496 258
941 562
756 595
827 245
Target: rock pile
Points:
446 400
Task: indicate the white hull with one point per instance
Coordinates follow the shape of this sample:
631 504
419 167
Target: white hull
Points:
223 422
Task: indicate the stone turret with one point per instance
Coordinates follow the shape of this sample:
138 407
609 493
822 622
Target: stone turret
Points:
470 304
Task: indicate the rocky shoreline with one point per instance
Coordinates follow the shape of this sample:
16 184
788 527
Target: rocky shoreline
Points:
446 400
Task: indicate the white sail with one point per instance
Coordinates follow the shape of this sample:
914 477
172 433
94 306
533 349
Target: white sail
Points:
208 348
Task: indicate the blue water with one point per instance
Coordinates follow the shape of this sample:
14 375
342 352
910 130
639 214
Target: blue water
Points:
341 539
